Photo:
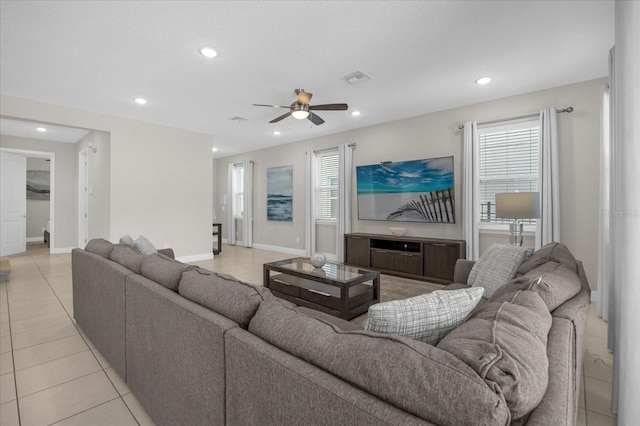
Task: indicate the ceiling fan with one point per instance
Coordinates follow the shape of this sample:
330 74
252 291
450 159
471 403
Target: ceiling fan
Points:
301 109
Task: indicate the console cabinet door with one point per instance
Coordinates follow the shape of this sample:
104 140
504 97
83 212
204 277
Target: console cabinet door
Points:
357 250
409 263
440 260
383 259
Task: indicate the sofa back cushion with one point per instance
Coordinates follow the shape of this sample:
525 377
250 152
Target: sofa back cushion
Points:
497 266
552 252
127 257
505 342
164 270
554 283
223 294
414 376
100 246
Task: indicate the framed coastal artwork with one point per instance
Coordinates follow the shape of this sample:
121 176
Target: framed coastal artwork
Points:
280 193
407 191
38 185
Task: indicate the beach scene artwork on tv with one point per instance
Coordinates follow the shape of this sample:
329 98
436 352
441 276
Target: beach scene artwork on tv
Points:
280 193
407 191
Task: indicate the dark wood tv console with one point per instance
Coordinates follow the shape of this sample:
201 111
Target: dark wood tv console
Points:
428 259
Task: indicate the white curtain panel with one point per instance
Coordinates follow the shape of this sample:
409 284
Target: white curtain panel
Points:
345 172
470 179
605 270
247 223
231 227
626 213
310 203
548 226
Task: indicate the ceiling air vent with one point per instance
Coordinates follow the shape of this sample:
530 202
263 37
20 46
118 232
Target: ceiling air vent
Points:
356 77
236 118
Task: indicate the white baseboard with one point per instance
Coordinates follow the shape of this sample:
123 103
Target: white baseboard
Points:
35 240
195 257
288 250
594 296
62 250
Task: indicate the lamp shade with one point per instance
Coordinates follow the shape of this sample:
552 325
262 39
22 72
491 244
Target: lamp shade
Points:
518 205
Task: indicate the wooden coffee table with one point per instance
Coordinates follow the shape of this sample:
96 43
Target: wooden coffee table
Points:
337 289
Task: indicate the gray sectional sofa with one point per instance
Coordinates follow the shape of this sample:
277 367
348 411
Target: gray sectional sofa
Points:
197 347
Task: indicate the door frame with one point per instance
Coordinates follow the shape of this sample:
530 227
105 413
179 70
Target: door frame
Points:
83 196
52 183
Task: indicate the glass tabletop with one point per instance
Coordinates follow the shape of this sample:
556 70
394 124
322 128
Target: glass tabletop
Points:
333 271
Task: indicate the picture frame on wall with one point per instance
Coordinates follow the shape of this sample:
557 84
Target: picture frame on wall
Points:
38 185
280 193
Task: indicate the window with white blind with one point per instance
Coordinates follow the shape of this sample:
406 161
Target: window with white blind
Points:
238 190
327 186
508 163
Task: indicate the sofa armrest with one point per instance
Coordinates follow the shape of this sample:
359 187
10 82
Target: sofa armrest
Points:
167 252
462 270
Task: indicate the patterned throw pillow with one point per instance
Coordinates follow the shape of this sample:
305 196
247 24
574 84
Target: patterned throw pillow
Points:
127 240
497 266
427 318
144 246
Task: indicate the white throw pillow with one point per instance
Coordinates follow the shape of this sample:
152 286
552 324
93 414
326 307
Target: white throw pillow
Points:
127 240
428 317
497 266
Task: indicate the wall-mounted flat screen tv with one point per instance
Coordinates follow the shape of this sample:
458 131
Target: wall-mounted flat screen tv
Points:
407 191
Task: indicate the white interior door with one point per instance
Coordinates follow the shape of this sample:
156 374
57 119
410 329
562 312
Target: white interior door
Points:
83 198
13 198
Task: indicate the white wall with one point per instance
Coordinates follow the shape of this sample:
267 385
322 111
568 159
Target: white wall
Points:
160 177
66 187
437 135
37 210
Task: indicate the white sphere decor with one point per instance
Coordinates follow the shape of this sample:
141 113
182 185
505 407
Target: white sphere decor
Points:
318 260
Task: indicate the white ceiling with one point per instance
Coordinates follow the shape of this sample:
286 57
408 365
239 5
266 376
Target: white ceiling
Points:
29 129
422 57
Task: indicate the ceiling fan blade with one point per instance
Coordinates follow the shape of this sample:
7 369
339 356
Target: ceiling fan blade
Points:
329 107
315 119
272 106
282 117
303 97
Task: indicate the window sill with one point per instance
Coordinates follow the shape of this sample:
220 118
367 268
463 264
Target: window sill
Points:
326 222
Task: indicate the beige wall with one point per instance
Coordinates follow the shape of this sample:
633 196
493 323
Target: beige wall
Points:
437 135
160 177
66 187
37 210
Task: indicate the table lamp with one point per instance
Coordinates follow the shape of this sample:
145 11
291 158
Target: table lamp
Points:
517 206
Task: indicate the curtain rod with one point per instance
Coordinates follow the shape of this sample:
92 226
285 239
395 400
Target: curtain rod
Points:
351 145
567 109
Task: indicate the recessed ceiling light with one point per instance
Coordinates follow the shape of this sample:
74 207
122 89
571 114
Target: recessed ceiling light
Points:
208 52
41 129
276 133
140 101
483 80
214 149
355 113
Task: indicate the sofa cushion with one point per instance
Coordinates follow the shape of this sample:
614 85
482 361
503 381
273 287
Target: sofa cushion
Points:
497 266
552 252
416 377
128 257
100 246
223 294
164 270
554 282
426 318
505 342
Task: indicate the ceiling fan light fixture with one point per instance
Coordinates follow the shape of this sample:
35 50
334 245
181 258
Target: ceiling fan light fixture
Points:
300 111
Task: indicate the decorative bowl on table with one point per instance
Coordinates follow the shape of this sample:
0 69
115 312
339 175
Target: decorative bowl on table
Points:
397 232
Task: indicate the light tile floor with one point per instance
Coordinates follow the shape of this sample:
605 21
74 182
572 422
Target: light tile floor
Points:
51 374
